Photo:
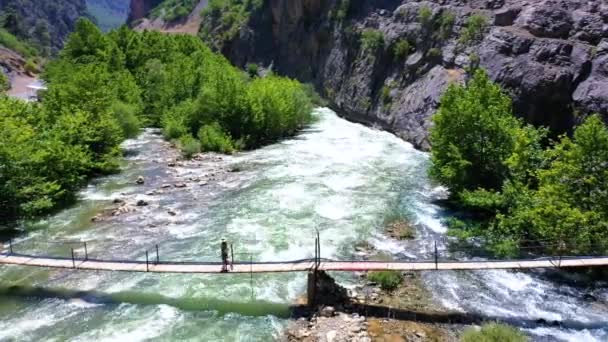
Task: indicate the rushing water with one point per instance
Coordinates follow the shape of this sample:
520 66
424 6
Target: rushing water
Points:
344 179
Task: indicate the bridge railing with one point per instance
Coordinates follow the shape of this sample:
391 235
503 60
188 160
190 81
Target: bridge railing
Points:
441 250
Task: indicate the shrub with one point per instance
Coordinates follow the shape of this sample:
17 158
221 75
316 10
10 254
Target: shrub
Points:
401 49
388 280
343 9
493 332
425 16
434 52
213 138
126 115
474 29
4 83
173 128
189 146
252 70
372 40
386 95
446 24
31 67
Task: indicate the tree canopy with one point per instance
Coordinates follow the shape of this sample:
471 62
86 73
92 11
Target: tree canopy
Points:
523 189
104 87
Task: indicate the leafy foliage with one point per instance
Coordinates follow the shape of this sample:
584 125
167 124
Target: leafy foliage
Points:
372 40
520 190
401 49
474 29
425 16
104 87
493 332
473 136
4 83
171 10
226 18
388 280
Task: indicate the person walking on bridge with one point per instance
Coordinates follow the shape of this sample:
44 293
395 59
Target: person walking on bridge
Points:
224 248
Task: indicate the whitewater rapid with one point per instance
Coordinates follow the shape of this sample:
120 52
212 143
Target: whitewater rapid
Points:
343 179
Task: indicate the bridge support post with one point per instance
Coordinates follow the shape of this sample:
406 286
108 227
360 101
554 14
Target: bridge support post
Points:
311 290
10 245
73 258
436 257
86 252
157 257
147 263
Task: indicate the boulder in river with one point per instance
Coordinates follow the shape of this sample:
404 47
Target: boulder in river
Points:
140 180
142 203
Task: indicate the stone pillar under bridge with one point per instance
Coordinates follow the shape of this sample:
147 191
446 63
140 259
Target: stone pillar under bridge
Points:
323 290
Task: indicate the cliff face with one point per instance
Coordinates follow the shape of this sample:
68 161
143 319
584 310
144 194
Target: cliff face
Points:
45 23
140 8
550 55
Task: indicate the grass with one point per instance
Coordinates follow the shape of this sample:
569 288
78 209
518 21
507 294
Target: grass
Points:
388 280
493 332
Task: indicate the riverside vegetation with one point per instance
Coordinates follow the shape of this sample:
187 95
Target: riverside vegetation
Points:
522 187
103 88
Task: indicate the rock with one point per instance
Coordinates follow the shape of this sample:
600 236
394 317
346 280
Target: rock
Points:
180 185
172 164
97 218
549 19
142 203
140 180
327 311
118 201
506 16
172 212
203 183
331 336
166 186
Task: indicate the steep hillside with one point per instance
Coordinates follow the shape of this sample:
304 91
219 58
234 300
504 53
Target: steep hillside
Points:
45 24
171 16
388 62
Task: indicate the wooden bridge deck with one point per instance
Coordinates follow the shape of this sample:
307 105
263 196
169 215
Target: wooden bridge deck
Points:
297 266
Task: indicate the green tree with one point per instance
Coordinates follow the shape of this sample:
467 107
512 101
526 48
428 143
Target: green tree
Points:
473 136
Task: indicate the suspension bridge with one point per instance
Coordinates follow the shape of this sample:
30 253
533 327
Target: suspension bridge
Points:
80 260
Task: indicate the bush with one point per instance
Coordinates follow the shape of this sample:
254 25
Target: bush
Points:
386 95
189 146
5 84
401 49
174 128
425 16
213 138
126 115
343 9
31 67
434 52
372 40
493 332
252 70
446 24
388 280
474 29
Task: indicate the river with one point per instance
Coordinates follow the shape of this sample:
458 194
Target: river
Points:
344 179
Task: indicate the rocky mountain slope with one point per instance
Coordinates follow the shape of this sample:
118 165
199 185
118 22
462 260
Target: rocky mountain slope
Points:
387 62
44 23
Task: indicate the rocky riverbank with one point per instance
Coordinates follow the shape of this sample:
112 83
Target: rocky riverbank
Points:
357 318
